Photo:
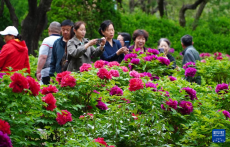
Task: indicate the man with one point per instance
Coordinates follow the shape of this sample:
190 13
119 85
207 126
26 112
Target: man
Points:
45 52
190 54
59 47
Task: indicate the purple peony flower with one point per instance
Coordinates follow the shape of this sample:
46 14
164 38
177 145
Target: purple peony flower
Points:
137 49
181 54
171 50
186 107
106 62
189 64
220 87
156 77
150 58
226 114
148 74
171 78
191 93
190 72
5 140
95 91
203 55
151 85
130 56
135 61
134 74
163 107
2 74
152 51
130 67
116 91
164 60
101 105
172 104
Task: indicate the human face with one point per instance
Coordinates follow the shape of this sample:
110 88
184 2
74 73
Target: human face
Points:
139 42
165 46
109 32
121 39
8 38
65 30
80 32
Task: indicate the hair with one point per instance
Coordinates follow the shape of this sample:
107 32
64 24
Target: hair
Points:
67 22
78 24
126 36
55 27
104 25
186 40
165 40
140 32
19 37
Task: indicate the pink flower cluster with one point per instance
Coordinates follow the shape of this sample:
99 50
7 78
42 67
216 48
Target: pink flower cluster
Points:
171 104
171 78
218 55
124 68
191 93
50 100
221 87
186 107
85 67
90 115
130 56
134 74
151 85
49 89
64 117
135 61
102 142
113 63
189 64
150 58
65 79
190 72
163 60
101 105
226 114
152 51
203 55
104 74
135 84
116 91
99 64
114 73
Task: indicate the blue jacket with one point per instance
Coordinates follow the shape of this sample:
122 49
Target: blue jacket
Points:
57 54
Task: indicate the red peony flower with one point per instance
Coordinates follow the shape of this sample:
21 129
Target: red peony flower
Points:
61 75
124 68
64 117
18 83
34 86
68 80
114 73
4 127
101 141
49 89
85 67
134 116
50 100
104 74
99 64
135 84
113 63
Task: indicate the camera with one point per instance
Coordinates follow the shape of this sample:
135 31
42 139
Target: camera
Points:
99 40
161 50
127 44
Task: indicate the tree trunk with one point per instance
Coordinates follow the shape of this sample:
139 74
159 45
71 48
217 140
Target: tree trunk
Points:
161 7
183 10
1 7
13 16
132 5
34 23
198 14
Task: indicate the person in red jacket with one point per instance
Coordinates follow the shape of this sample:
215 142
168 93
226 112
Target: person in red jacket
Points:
14 53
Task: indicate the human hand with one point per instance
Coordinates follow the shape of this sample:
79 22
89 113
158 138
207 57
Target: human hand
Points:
103 41
38 76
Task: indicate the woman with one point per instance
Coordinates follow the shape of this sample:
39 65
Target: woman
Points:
14 53
139 37
80 50
124 38
113 49
164 43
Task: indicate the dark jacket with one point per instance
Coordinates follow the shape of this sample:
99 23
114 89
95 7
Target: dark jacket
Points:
78 54
57 54
172 59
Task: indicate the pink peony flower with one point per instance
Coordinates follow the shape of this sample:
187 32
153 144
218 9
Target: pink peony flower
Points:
219 58
4 127
130 67
101 141
191 93
95 91
61 75
19 83
135 61
151 85
68 80
51 101
49 89
34 86
130 56
101 105
223 87
203 61
186 107
171 78
5 140
164 60
171 104
99 64
217 54
2 74
104 74
85 67
190 72
172 50
150 58
152 51
114 73
134 74
189 64
148 74
135 84
64 117
116 91
124 68
113 63
226 114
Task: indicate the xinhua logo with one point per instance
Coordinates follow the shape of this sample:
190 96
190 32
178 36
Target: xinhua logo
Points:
218 135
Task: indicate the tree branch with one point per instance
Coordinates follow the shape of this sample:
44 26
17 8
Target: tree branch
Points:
13 16
186 7
161 7
1 7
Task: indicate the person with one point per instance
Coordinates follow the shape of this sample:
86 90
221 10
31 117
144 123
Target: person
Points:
139 37
45 52
59 47
14 53
113 51
190 54
164 43
80 50
124 38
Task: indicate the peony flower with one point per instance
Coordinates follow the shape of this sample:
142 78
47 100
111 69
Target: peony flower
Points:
85 67
68 80
114 73
172 50
163 60
130 67
127 101
49 89
171 104
2 74
99 64
81 117
134 74
203 61
88 115
4 127
104 74
166 93
220 87
101 141
181 54
101 105
135 61
5 140
95 91
135 84
64 117
116 91
34 86
134 116
61 75
150 58
151 85
113 63
190 72
156 77
186 107
148 74
226 114
163 107
152 51
130 56
217 54
189 64
219 58
51 101
171 78
18 83
191 93
124 68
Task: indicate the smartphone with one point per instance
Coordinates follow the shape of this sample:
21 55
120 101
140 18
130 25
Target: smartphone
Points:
99 40
127 44
161 50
